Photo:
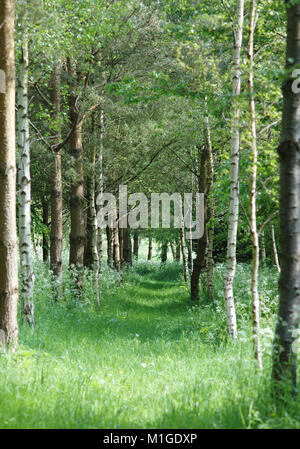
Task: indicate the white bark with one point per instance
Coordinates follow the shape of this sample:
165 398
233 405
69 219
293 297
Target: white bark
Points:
211 215
25 188
274 247
234 178
253 179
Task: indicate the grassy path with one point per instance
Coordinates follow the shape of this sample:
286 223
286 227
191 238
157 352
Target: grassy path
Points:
147 358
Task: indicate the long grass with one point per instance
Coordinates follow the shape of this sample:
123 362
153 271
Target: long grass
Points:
146 358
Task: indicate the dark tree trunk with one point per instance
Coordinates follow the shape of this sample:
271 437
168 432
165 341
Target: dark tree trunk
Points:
199 262
109 237
121 243
45 233
178 251
127 247
136 244
285 356
150 249
164 252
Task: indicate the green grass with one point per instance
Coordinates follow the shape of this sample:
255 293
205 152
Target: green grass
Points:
147 358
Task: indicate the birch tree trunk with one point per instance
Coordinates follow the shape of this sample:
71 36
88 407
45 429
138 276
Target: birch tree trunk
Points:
263 248
274 250
211 215
234 178
99 190
56 230
26 265
285 344
253 224
8 231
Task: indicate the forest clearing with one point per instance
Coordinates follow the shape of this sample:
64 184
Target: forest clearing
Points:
149 215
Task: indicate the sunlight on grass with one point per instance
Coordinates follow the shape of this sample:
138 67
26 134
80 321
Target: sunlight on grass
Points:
146 358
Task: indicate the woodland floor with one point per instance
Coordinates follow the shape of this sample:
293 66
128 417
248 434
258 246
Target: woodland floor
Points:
147 358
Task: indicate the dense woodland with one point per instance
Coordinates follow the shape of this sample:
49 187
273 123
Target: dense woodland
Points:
160 96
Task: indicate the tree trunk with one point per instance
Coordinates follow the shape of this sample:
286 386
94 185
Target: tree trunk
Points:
150 249
234 178
27 274
116 252
184 251
210 214
77 234
56 230
45 207
274 250
172 246
285 350
136 244
263 248
164 252
91 259
127 247
99 189
121 245
199 261
177 251
109 236
8 232
253 176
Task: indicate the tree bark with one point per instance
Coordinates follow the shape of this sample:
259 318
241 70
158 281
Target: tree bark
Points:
177 250
26 264
263 248
45 207
136 244
234 178
109 236
127 247
285 350
210 215
173 250
274 250
8 232
199 261
77 234
184 250
56 230
253 182
164 252
150 248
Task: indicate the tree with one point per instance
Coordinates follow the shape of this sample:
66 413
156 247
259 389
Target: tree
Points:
8 232
234 177
253 181
24 183
285 354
